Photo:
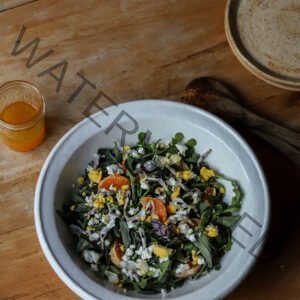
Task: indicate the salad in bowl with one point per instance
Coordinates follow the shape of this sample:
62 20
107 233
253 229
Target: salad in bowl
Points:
150 215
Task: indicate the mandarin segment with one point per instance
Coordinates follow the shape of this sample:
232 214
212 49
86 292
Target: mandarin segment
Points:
194 269
158 208
114 181
116 254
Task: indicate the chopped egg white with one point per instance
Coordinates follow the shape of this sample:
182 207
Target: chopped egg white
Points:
145 253
182 268
94 237
91 256
182 149
114 169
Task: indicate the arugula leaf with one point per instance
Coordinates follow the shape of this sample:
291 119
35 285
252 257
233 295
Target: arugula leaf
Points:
101 271
134 186
143 283
82 244
228 221
142 138
192 158
77 199
202 206
129 165
81 208
205 219
180 256
117 152
203 244
191 143
237 199
228 244
164 267
125 232
177 138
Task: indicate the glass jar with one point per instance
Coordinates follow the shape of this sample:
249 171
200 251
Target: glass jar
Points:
22 110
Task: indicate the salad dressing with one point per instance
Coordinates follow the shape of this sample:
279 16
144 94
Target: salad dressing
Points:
22 109
18 112
22 112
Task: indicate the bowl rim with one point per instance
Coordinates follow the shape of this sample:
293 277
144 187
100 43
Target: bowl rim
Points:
44 243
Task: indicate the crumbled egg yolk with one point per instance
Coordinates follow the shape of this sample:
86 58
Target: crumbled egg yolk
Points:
195 257
176 192
159 190
171 209
143 272
164 162
205 174
95 175
90 228
110 199
147 219
125 150
160 251
99 202
154 216
222 190
211 231
167 222
72 207
142 267
175 158
80 181
121 196
186 175
105 218
125 188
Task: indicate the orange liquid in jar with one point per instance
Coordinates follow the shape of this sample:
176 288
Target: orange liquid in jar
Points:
21 112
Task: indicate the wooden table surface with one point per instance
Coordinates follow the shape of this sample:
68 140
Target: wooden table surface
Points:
131 50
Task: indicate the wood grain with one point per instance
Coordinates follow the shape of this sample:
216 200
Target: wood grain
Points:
131 50
216 97
11 4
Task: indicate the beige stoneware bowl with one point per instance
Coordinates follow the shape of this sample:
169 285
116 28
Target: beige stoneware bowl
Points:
265 37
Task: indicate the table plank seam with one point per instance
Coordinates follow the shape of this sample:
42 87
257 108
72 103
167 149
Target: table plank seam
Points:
16 6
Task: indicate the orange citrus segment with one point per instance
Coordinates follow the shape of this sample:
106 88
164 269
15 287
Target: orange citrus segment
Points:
191 271
116 254
115 181
158 209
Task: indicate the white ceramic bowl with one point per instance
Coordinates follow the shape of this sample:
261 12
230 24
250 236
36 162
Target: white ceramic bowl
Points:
230 156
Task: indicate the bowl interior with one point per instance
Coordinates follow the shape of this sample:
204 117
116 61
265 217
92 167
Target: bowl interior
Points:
230 156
